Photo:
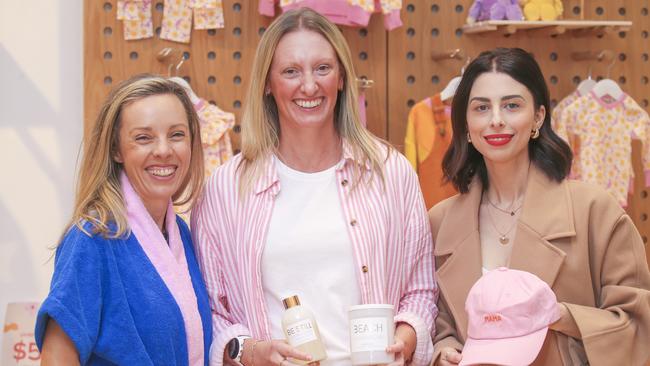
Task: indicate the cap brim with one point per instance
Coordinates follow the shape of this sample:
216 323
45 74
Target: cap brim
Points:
517 351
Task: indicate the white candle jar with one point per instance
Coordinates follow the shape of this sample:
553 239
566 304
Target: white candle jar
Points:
372 329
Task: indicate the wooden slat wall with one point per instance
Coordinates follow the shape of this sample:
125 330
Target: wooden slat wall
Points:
398 61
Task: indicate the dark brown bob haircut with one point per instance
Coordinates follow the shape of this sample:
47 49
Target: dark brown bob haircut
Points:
549 152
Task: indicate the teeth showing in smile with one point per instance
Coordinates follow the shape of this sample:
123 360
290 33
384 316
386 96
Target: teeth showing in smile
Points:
309 103
161 172
498 138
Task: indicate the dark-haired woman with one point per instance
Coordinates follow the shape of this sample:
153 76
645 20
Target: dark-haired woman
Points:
516 209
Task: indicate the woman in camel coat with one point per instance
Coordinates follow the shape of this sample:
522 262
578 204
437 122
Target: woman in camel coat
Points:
516 209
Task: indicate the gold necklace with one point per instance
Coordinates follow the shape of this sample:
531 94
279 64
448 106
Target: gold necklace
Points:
503 237
508 211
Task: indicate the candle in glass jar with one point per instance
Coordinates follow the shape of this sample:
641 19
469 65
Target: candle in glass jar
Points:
371 330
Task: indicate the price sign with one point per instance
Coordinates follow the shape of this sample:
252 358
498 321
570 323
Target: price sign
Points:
18 345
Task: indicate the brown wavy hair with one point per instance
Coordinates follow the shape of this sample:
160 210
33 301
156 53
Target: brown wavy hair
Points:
548 152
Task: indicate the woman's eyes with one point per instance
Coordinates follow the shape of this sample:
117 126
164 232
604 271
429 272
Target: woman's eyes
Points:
512 105
323 69
290 72
142 138
485 107
178 135
481 107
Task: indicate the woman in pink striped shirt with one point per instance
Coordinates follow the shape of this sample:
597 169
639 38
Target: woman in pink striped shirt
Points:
314 206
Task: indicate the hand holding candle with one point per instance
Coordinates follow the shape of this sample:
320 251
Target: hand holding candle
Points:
404 346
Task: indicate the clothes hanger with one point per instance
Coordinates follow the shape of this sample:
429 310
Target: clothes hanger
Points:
164 55
587 84
607 89
450 89
365 83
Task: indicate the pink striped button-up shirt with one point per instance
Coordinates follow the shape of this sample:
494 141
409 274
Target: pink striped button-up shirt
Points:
387 224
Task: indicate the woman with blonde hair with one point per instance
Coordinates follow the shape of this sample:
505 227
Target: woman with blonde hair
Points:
126 287
314 206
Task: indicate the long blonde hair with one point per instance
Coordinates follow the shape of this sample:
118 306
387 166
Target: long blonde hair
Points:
260 123
98 198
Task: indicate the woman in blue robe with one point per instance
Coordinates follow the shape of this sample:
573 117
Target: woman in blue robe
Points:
126 287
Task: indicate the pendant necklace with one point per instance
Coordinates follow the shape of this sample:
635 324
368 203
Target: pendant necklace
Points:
503 237
508 211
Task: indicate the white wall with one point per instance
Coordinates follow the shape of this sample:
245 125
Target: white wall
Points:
41 104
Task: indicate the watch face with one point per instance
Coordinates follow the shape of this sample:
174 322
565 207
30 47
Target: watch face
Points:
233 348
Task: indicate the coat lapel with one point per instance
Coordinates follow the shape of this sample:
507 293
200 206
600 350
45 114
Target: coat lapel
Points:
547 214
458 253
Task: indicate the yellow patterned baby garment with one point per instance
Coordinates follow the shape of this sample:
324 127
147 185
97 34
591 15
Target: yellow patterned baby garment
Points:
177 21
208 14
606 131
559 125
136 17
215 127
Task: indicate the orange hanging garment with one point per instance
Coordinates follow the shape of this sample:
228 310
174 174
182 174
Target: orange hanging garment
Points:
428 135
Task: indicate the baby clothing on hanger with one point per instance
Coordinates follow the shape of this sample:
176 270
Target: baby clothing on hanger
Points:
606 131
136 17
177 21
355 13
208 14
428 135
215 139
177 18
560 128
215 127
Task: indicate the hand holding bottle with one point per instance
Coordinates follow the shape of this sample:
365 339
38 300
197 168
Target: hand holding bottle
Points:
272 353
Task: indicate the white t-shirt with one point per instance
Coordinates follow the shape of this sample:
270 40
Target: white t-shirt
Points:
308 253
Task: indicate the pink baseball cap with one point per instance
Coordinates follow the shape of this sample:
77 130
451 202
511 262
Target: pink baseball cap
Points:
509 312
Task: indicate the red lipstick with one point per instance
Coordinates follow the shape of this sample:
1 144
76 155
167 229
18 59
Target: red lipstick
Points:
498 139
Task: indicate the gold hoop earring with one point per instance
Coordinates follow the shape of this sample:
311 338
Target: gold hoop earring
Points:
534 133
469 138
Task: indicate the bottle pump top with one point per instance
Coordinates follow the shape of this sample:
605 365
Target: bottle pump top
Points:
291 301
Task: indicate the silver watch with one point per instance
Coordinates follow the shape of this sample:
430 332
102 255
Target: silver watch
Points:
235 348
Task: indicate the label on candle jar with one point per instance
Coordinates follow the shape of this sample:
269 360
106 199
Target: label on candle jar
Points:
301 332
368 334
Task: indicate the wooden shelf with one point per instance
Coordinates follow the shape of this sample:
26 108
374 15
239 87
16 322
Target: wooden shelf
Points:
553 28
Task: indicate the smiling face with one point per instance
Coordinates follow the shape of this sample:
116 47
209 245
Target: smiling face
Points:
500 117
304 80
155 147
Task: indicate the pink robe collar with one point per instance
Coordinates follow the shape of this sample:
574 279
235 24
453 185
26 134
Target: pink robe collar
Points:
170 262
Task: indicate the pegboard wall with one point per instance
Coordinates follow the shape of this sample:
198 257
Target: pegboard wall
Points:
399 62
217 62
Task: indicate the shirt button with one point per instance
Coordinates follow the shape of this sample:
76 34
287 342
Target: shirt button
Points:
353 222
364 269
344 182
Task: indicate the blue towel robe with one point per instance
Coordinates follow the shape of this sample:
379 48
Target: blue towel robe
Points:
110 300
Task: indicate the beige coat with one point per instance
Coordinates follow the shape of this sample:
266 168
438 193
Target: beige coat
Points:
577 239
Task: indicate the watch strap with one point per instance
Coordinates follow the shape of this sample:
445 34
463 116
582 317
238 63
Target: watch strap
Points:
240 340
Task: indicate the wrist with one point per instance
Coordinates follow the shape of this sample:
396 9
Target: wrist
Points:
233 353
407 334
248 355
